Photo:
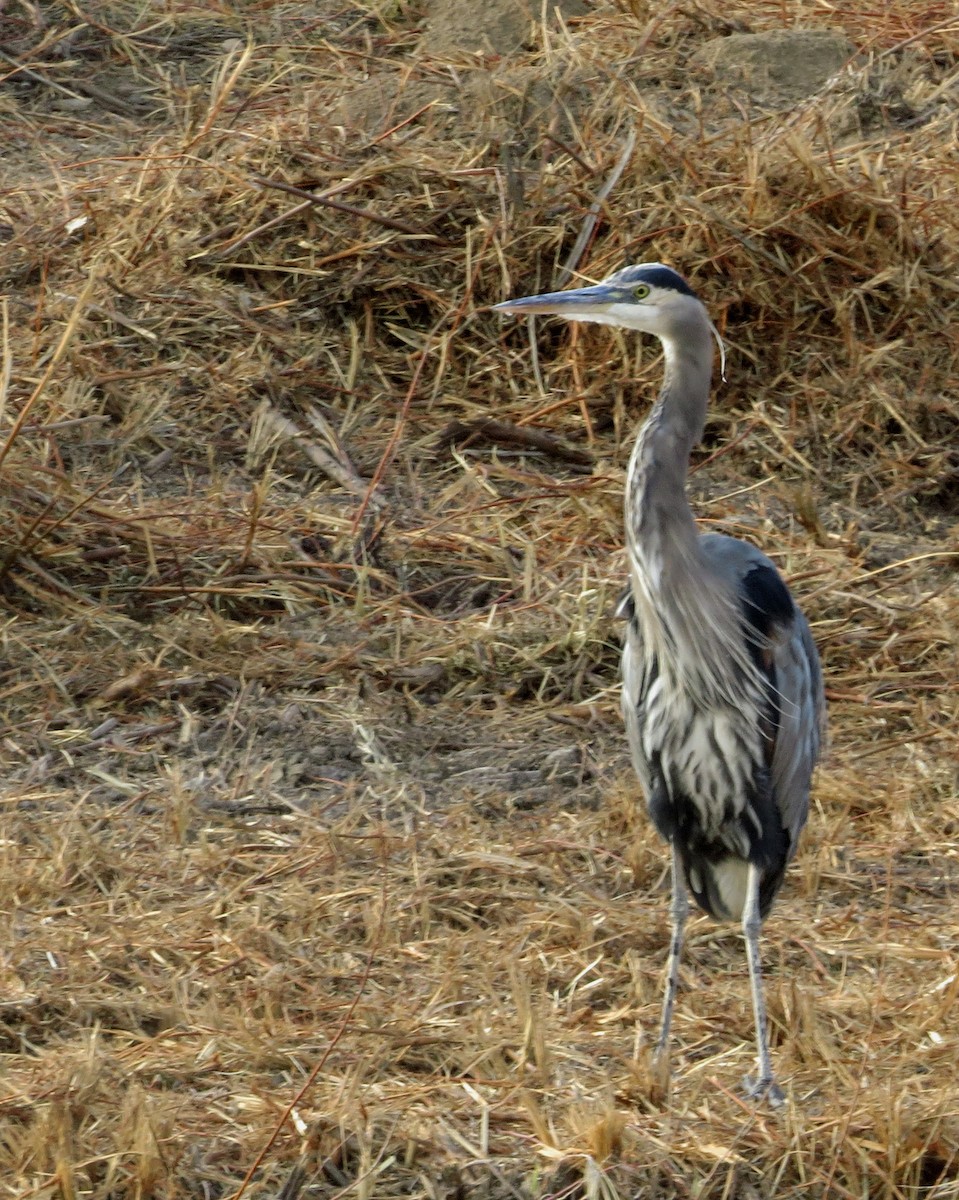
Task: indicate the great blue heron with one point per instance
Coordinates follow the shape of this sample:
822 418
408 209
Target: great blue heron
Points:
722 690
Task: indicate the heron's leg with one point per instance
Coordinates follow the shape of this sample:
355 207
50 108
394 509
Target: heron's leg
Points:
678 910
765 1085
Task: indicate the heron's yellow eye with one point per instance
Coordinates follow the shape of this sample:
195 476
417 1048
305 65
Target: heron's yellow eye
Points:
641 291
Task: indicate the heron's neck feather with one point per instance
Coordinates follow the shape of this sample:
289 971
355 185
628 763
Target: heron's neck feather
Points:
658 516
687 615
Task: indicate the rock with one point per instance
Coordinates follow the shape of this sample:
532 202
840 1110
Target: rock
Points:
775 68
493 27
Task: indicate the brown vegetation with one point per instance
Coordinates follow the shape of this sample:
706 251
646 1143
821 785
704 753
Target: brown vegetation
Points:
323 872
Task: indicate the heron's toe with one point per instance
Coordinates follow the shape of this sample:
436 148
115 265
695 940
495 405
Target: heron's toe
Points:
764 1089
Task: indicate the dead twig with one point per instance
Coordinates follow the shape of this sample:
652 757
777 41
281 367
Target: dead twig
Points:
326 201
503 433
333 462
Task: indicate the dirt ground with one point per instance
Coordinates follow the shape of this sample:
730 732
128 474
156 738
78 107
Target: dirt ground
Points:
323 868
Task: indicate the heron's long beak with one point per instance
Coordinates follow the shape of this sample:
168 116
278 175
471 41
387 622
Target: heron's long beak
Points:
587 304
564 304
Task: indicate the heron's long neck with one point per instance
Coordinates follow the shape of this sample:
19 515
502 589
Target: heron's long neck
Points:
659 524
688 618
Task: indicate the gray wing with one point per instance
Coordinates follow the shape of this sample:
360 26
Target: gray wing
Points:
782 648
801 706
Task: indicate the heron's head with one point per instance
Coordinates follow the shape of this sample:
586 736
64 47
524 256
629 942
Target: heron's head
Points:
648 297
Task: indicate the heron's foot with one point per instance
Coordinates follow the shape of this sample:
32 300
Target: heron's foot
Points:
764 1089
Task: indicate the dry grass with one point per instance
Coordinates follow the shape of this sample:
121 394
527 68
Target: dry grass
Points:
323 873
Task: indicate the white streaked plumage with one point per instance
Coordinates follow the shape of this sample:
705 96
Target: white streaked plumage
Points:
722 691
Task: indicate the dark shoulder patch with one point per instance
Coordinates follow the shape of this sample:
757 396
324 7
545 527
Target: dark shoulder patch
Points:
767 606
766 599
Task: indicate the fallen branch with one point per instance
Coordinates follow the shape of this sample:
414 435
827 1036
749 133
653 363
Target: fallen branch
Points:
502 433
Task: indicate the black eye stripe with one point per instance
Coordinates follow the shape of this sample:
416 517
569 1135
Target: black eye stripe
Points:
655 276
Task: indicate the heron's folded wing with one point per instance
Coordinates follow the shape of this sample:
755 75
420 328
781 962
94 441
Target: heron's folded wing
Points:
784 651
